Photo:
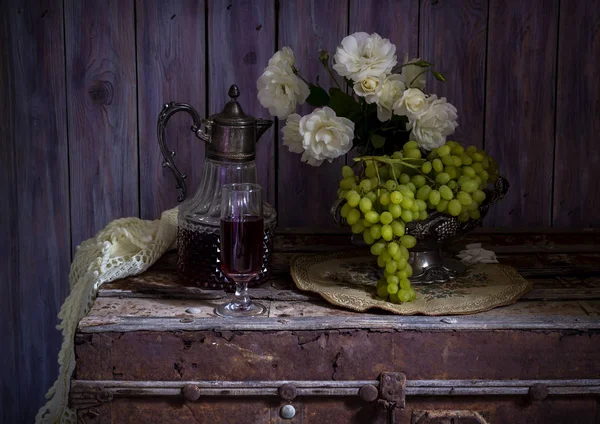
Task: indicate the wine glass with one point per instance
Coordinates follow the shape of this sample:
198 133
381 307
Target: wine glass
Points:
241 245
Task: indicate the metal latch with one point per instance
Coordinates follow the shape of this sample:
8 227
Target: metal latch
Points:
391 395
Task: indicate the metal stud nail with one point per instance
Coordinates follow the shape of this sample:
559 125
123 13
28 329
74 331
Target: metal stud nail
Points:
287 411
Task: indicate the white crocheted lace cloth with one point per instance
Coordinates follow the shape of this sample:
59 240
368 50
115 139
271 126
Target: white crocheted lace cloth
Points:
127 246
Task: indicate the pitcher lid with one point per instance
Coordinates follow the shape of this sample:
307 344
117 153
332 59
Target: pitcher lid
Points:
232 114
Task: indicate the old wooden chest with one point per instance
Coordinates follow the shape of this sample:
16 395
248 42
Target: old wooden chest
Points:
152 351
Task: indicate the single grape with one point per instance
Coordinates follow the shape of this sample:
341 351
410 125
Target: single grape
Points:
365 185
478 196
391 185
477 167
358 228
372 196
386 217
404 283
484 175
409 270
412 154
375 231
404 252
445 192
407 202
393 248
471 149
397 155
392 288
395 197
442 178
395 210
398 228
423 215
392 279
404 295
464 198
442 205
478 157
475 214
372 217
405 191
385 256
434 197
404 178
456 160
468 171
381 262
401 262
352 197
448 160
347 183
345 209
365 205
384 198
421 205
347 172
451 171
406 215
426 167
370 171
391 266
438 165
401 275
408 241
457 150
414 208
378 248
413 294
464 216
367 236
412 187
443 150
353 216
418 180
410 145
423 192
386 232
469 186
454 207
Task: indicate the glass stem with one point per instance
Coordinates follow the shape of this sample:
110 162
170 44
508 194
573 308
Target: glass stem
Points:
241 298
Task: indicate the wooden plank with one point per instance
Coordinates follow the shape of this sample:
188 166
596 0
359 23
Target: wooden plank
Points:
453 37
34 225
306 193
520 102
101 101
577 162
171 66
397 20
241 40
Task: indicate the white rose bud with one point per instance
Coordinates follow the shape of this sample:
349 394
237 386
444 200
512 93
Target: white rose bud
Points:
413 104
368 88
325 136
391 90
439 121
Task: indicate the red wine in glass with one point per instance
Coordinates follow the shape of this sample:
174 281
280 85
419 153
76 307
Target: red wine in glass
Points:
242 245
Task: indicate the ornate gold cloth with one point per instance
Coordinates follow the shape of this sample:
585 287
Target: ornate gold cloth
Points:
348 279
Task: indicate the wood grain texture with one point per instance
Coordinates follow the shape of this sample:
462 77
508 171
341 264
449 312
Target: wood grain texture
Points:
453 37
171 66
397 20
241 39
520 101
34 225
101 101
305 193
577 153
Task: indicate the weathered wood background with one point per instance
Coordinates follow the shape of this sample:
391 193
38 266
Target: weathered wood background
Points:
81 85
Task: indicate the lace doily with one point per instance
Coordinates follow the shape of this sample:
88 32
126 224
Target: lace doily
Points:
126 247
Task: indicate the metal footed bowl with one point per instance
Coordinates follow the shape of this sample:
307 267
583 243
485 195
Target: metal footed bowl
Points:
426 258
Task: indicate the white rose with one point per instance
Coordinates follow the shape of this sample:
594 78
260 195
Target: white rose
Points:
285 55
439 121
325 136
362 55
291 134
391 90
413 104
279 89
413 75
368 88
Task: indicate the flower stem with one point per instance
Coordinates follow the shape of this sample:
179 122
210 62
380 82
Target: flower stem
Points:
297 73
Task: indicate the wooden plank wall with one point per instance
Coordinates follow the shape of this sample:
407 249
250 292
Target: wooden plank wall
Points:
82 84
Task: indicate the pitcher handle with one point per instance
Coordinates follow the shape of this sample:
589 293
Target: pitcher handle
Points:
167 111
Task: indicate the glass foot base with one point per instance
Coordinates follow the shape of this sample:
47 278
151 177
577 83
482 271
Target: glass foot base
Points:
232 310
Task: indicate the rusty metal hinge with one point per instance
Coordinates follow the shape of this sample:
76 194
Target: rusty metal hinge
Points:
392 395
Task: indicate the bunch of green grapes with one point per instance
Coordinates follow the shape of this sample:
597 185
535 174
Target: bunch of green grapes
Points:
390 192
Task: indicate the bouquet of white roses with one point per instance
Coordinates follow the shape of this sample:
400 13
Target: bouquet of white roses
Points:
376 105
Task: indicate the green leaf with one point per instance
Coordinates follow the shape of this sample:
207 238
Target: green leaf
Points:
377 140
344 104
438 76
318 97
